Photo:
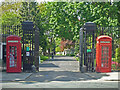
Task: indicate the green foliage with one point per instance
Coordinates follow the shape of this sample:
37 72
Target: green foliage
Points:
28 11
114 59
63 17
67 54
44 57
10 13
118 54
104 14
10 18
9 6
60 19
77 58
60 55
57 41
72 54
57 49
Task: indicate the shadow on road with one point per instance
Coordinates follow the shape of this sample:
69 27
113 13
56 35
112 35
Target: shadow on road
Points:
60 60
62 69
48 76
48 65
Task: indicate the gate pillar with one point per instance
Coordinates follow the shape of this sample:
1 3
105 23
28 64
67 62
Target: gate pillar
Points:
36 52
81 49
88 32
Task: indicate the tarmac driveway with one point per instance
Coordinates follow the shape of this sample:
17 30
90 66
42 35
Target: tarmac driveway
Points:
61 68
62 72
60 63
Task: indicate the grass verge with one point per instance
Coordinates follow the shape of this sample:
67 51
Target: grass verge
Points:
43 58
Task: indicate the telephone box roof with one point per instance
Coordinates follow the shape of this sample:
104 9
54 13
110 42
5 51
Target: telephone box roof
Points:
14 37
103 37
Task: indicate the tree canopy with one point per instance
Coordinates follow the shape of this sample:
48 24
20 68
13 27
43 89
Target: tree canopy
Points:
61 19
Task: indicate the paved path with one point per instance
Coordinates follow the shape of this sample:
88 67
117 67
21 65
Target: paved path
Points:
63 72
63 69
59 69
14 76
60 63
73 84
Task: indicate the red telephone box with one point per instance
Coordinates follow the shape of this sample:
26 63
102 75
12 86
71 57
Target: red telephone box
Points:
103 54
13 51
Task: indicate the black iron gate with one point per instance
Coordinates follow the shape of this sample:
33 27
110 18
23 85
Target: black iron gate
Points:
88 34
28 45
87 55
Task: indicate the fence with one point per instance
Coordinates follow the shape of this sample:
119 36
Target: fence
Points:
27 32
11 30
113 32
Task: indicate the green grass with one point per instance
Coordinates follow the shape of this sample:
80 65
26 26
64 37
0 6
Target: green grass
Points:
43 58
59 55
72 54
77 58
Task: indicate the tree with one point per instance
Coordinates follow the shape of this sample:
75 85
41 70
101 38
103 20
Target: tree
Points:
10 13
28 11
10 18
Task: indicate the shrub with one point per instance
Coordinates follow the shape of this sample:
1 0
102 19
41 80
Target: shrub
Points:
77 58
59 55
72 54
117 54
58 49
67 54
115 65
44 57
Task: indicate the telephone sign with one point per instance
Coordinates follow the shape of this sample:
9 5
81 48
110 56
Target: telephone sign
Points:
89 50
27 49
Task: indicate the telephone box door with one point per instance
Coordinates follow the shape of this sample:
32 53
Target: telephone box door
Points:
105 58
12 63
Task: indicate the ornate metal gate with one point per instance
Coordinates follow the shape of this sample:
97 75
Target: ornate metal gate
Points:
28 45
88 34
87 55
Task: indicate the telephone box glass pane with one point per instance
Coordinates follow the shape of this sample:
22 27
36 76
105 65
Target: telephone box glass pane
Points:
104 56
13 56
